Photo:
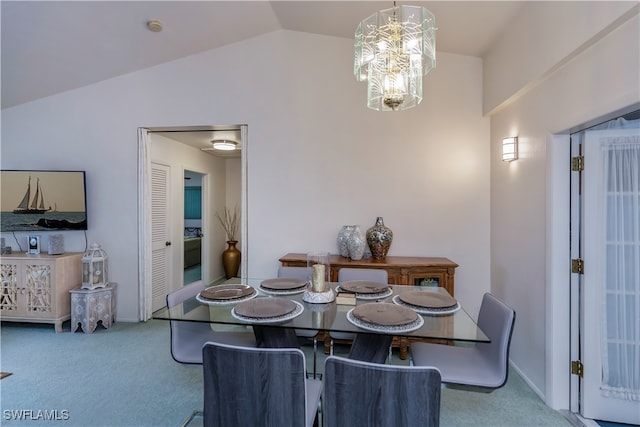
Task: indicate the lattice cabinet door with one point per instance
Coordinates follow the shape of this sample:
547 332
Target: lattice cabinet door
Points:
38 289
9 295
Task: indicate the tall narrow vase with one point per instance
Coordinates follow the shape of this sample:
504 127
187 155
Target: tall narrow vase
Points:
231 259
379 239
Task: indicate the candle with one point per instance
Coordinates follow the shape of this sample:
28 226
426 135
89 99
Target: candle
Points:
317 279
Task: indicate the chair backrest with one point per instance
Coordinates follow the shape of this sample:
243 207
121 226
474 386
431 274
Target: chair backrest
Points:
373 275
496 320
184 293
295 272
183 332
246 386
364 394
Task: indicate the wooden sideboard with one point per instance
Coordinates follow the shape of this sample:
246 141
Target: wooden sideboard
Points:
410 271
35 288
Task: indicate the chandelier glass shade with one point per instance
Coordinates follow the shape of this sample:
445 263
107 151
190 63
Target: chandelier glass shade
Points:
394 48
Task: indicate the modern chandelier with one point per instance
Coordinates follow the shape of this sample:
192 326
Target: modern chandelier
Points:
394 48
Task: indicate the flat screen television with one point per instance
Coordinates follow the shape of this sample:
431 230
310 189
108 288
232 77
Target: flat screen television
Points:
39 200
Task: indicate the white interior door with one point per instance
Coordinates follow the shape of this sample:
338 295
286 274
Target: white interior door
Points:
160 237
611 329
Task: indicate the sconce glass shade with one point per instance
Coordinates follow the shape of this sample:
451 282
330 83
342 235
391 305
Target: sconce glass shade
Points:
510 149
94 268
394 48
224 145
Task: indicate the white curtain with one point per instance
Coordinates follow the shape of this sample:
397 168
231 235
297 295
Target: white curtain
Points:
144 229
621 290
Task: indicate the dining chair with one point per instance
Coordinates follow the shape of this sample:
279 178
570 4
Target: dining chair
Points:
482 366
344 275
249 386
187 338
365 394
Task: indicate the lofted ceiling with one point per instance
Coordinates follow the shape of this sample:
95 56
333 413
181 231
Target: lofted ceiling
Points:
49 47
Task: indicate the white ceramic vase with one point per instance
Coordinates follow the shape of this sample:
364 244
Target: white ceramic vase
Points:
356 244
343 237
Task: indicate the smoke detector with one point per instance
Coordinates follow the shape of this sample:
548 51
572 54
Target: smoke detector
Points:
154 26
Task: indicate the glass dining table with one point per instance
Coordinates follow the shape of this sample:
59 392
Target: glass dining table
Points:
372 340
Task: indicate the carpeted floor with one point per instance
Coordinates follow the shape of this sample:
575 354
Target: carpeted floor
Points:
125 377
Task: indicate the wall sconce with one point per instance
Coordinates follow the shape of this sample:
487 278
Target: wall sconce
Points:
510 149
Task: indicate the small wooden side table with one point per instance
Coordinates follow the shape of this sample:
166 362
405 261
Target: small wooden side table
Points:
90 306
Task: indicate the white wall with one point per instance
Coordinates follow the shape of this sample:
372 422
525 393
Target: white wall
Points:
318 158
542 37
602 79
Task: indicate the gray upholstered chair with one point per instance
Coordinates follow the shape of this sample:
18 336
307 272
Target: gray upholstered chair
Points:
364 394
482 365
346 274
187 338
248 386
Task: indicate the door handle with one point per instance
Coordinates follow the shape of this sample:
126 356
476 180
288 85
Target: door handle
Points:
167 243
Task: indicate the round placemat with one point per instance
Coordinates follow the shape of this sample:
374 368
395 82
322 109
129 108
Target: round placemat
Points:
380 295
263 308
283 284
277 319
226 292
363 286
227 301
429 311
428 299
417 324
385 314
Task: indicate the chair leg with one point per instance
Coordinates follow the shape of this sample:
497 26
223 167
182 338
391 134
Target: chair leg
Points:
191 417
331 348
315 349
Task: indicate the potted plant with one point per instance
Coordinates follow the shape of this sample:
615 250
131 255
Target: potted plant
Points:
230 256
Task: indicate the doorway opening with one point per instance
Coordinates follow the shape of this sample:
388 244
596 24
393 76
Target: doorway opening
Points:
188 152
193 227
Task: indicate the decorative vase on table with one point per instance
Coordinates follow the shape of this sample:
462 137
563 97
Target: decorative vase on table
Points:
231 259
356 244
343 237
379 238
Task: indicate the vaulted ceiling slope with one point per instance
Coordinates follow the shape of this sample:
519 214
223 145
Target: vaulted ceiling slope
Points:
49 47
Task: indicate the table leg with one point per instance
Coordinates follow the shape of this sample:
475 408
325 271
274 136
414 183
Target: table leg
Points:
371 347
274 337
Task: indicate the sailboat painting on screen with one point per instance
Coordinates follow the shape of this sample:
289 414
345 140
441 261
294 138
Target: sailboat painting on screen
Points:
42 200
37 204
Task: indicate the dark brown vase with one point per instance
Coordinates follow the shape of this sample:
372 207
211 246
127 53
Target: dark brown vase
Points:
231 259
379 238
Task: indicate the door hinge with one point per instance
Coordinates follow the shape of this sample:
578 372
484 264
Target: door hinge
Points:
577 368
577 266
577 163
